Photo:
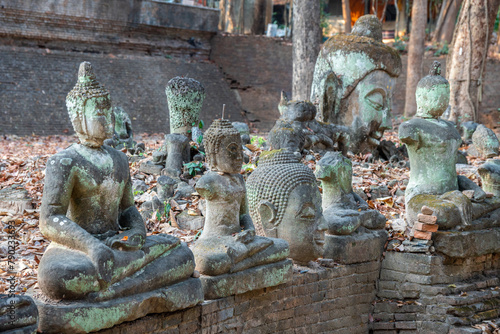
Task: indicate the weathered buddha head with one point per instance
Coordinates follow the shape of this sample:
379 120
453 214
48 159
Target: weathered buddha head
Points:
353 82
185 97
223 147
89 107
285 202
433 93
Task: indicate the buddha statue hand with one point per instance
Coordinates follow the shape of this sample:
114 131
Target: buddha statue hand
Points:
245 236
103 259
129 240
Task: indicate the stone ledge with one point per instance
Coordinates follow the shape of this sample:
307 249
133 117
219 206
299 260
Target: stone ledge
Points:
84 317
251 279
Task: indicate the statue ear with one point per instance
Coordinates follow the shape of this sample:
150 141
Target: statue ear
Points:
326 106
267 213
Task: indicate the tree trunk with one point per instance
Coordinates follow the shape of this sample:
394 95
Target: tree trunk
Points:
306 44
467 58
346 12
446 22
415 54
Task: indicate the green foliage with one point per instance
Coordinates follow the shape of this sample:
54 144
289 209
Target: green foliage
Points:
166 211
194 167
324 18
197 235
201 124
248 167
497 21
158 216
400 44
442 49
199 139
258 141
138 192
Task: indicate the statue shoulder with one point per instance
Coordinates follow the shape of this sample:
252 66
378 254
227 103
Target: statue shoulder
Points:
408 132
207 186
117 156
64 160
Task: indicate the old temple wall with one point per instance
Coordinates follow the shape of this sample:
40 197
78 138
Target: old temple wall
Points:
138 45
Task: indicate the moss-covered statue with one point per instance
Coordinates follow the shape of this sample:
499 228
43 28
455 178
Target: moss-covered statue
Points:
297 128
485 143
100 268
123 136
353 82
285 202
229 254
352 227
432 145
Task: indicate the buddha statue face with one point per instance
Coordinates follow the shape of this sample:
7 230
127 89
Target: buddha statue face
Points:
223 147
370 105
353 82
285 202
89 106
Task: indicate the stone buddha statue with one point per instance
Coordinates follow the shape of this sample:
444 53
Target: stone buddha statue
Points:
352 228
123 135
228 244
297 128
285 202
432 145
99 250
353 82
185 97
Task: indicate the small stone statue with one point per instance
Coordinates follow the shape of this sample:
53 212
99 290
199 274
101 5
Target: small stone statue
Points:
228 244
285 203
490 176
343 209
352 226
123 136
353 81
485 143
18 314
99 257
432 145
185 97
297 128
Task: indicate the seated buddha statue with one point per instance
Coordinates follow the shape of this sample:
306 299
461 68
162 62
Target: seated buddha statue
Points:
432 145
285 202
99 250
228 243
343 209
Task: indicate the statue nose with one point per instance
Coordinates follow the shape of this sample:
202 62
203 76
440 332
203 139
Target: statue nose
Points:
322 226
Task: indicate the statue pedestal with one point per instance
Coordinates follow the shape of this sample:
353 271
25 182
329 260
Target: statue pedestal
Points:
251 279
362 246
84 317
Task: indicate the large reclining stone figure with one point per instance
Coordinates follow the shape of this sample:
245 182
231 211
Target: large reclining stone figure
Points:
100 268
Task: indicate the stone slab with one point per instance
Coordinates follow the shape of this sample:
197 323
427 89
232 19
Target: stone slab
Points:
467 244
247 280
84 317
355 248
22 330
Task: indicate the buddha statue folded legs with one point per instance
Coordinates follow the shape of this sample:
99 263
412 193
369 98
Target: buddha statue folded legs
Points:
231 258
100 268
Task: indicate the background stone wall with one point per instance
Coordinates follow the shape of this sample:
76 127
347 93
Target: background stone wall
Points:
329 300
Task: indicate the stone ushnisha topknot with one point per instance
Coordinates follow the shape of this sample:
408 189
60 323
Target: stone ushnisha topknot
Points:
435 68
278 173
86 87
212 138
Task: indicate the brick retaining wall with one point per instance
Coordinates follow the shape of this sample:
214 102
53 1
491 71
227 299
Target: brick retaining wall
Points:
328 300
